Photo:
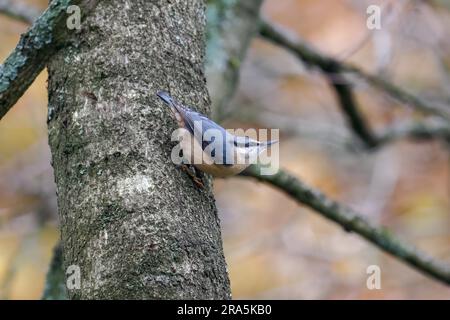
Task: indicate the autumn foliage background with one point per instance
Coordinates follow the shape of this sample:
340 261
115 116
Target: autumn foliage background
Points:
275 248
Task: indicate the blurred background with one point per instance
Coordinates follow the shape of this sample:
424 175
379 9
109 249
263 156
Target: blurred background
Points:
276 249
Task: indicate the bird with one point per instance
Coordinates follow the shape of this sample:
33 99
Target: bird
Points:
222 153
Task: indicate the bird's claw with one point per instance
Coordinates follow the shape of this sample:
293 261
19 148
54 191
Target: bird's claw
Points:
198 181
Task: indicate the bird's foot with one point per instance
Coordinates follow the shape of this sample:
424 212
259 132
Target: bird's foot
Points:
192 172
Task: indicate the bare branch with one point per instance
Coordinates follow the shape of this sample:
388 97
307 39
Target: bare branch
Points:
19 11
344 93
416 130
351 221
331 134
34 49
350 108
314 58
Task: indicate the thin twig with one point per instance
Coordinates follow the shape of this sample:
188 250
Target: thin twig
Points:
351 221
416 130
426 129
350 108
313 58
19 11
344 93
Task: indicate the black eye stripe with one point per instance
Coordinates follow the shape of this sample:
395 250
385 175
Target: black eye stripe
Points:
247 143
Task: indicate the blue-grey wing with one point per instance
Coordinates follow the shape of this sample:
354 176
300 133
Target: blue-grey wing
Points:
213 135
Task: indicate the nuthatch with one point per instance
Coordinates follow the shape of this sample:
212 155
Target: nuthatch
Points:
229 155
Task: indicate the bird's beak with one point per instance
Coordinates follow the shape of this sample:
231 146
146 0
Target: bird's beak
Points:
269 143
164 96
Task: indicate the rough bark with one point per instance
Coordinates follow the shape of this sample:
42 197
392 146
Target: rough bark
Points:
133 222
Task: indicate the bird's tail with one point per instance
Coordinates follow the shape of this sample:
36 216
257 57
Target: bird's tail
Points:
171 102
164 96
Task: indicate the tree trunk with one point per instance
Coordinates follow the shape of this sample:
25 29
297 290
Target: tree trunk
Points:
231 27
132 221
